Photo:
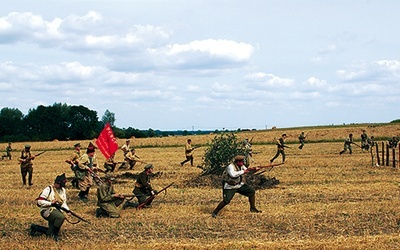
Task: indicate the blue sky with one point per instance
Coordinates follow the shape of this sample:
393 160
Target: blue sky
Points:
209 64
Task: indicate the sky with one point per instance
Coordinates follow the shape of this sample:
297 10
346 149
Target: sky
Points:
205 64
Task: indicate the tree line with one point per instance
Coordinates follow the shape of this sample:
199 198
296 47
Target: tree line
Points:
61 122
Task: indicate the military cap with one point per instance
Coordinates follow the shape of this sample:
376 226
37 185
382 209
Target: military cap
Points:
148 166
127 140
77 145
61 179
27 146
239 158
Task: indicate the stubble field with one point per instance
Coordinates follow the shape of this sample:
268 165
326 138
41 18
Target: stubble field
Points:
324 200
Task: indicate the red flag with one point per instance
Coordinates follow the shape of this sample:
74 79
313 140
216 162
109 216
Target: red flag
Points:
107 142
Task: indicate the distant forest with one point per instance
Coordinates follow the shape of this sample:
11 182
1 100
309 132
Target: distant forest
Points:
65 122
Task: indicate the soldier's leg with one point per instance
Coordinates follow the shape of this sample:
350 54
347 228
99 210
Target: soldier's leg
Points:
110 209
227 197
56 219
276 156
23 175
283 155
30 173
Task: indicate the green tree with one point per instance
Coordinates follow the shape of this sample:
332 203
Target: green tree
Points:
108 117
11 121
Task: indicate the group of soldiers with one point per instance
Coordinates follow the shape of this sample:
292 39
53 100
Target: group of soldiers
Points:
52 200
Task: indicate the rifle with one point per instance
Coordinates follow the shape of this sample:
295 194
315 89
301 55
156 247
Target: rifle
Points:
32 157
74 214
356 144
151 198
270 166
193 148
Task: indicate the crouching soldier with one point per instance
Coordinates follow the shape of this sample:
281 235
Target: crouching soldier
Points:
50 201
143 188
107 200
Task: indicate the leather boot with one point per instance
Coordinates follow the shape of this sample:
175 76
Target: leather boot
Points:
54 235
220 206
37 229
252 201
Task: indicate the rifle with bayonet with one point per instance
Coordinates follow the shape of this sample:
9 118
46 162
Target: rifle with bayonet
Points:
151 198
31 157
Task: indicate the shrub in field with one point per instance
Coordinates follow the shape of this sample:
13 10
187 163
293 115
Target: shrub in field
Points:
220 152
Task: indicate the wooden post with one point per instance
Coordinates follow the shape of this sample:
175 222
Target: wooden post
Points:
378 160
394 156
383 154
387 154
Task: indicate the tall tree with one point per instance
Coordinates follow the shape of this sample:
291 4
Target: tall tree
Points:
108 117
10 123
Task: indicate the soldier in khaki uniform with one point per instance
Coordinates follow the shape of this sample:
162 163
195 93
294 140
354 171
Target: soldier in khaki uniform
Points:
107 200
26 164
73 161
188 153
8 152
110 164
86 165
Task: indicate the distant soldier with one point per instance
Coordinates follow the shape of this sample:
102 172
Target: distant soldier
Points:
248 152
50 200
26 164
364 141
126 147
188 153
107 200
347 144
8 152
86 167
73 161
110 164
130 159
280 148
302 139
392 143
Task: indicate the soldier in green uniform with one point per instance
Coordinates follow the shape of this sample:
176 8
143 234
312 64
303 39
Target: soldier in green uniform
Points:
233 183
280 149
302 139
143 188
347 145
8 152
107 200
49 201
26 164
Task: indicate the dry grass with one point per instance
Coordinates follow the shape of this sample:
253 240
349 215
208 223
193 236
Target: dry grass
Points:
324 201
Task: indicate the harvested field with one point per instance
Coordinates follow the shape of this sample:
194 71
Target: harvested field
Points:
323 200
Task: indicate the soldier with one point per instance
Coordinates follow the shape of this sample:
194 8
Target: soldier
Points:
248 151
347 144
8 152
130 159
392 143
302 139
86 167
126 148
26 164
110 164
364 141
188 153
232 184
280 149
50 200
143 187
73 161
107 200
